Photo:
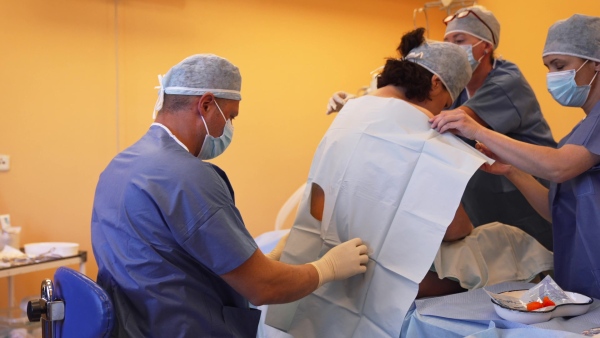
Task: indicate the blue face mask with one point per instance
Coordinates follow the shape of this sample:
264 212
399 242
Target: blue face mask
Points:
469 49
565 90
215 146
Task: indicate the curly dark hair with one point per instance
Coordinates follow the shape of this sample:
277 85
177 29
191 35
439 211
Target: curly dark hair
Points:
416 80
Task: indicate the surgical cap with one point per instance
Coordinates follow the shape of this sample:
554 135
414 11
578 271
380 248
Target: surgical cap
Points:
470 24
199 74
578 36
446 60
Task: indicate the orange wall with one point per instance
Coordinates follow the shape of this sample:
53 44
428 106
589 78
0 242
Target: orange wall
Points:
78 83
57 121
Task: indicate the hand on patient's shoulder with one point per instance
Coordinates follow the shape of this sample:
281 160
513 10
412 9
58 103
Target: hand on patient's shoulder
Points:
337 101
342 261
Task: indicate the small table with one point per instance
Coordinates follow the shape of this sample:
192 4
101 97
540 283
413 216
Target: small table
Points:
11 271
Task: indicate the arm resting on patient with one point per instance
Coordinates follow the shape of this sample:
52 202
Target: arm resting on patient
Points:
460 227
432 285
264 281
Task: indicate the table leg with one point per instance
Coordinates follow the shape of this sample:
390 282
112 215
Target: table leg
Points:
11 292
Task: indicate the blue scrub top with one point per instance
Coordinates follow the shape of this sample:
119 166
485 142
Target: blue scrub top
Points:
575 206
508 105
164 227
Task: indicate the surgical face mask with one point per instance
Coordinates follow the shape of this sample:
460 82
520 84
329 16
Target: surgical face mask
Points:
469 49
215 146
565 90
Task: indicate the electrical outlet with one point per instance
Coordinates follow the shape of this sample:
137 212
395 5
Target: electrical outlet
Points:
4 162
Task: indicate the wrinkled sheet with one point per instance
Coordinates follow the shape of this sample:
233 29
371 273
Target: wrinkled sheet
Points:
472 314
391 180
493 253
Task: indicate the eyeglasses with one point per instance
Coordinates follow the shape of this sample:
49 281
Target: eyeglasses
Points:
463 14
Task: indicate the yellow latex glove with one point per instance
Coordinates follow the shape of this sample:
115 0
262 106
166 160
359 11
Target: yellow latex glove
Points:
343 261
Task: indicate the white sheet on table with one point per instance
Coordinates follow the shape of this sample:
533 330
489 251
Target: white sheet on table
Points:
476 306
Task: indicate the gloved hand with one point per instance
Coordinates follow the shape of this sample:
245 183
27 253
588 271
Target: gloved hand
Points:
275 254
343 261
337 101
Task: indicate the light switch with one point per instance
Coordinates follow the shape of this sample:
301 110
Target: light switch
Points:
4 162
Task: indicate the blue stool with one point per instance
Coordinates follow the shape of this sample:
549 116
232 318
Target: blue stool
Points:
74 306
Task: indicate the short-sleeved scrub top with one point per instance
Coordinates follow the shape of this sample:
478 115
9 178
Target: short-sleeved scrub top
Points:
508 105
164 227
575 206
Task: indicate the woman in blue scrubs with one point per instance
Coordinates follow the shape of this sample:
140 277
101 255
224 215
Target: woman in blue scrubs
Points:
572 56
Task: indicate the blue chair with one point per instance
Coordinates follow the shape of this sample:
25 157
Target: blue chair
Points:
74 306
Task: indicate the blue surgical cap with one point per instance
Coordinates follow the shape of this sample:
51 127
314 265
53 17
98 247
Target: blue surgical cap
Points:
199 74
446 60
577 36
472 25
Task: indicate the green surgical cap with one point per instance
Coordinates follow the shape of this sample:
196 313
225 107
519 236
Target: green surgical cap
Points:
577 36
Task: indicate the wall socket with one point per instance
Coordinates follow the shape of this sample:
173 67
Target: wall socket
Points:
4 162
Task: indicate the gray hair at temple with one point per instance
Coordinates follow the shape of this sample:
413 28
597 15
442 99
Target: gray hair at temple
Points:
577 36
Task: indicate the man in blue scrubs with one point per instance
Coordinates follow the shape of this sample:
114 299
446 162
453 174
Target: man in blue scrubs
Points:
499 98
172 250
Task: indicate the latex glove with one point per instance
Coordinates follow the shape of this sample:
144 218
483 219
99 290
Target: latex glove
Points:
343 261
337 101
275 254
